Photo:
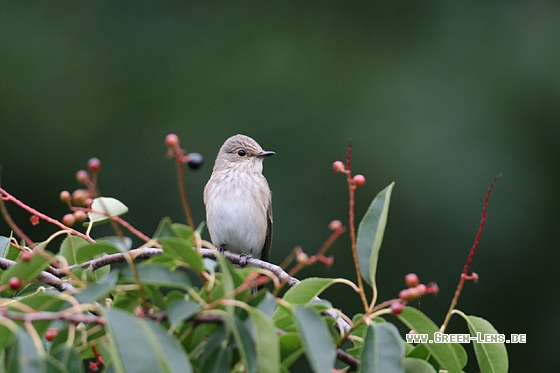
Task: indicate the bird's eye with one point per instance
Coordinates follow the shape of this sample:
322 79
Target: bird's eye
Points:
241 153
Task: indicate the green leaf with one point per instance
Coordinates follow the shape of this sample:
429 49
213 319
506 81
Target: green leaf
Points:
444 353
218 360
8 333
181 310
26 271
131 349
317 340
413 365
103 208
290 348
165 229
94 250
69 359
170 351
307 290
159 276
383 350
4 246
24 357
370 234
302 293
95 291
181 249
121 243
69 248
267 344
183 230
491 357
245 344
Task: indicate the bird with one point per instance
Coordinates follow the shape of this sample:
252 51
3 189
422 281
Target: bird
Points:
238 199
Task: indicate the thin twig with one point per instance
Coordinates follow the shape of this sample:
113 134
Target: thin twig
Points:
351 189
464 275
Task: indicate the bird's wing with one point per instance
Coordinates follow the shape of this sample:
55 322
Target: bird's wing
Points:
265 253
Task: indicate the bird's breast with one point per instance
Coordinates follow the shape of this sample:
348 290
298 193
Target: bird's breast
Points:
236 212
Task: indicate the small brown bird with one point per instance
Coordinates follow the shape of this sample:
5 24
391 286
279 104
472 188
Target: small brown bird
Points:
238 199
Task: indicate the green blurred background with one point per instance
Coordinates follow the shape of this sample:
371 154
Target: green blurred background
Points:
438 96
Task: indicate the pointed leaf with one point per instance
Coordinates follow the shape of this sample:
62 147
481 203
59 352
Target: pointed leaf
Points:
170 351
307 290
317 340
26 270
94 250
103 208
302 293
24 357
290 348
95 291
491 357
69 248
181 310
413 365
266 341
132 349
181 249
370 234
245 344
444 353
159 275
383 349
69 358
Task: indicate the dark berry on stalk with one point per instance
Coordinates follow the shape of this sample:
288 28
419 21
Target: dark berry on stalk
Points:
195 160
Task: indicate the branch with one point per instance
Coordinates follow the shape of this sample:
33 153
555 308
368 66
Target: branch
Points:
44 315
45 277
147 253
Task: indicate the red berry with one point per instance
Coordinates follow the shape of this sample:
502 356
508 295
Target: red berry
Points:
65 196
15 283
397 308
409 294
80 215
94 164
34 220
26 256
421 289
404 294
172 140
359 180
432 288
338 166
69 220
336 225
82 176
50 334
79 197
411 280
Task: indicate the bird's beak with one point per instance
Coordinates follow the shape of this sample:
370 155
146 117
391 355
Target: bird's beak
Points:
265 153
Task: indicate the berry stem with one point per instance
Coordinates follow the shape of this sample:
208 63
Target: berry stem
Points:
351 189
179 154
8 197
464 275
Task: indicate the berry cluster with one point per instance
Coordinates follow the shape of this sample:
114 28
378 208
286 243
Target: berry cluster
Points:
413 291
80 200
358 180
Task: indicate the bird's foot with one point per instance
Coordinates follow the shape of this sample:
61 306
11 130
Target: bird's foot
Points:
221 248
243 259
